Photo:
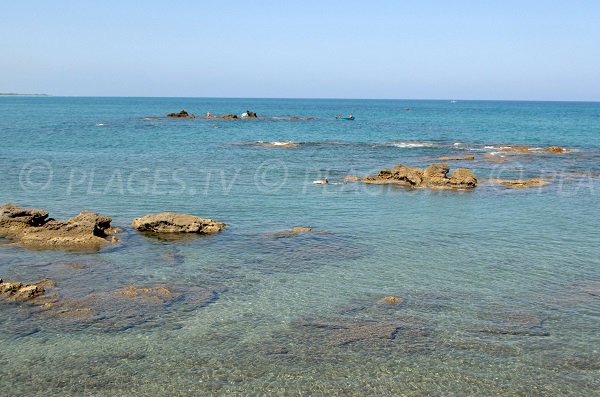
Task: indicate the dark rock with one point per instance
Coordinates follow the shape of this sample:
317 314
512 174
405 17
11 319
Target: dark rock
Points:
181 115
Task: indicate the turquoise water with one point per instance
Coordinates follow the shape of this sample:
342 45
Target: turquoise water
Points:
500 287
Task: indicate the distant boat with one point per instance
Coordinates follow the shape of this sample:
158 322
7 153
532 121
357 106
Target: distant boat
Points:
344 118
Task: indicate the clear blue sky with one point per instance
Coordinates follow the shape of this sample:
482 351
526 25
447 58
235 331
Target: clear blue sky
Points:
504 49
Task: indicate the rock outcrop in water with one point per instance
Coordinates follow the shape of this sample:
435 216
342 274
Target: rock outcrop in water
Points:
468 157
524 149
20 292
435 176
249 115
172 222
181 115
33 229
520 183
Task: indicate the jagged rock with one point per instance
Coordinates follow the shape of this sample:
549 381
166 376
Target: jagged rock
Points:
463 177
434 176
26 216
181 115
31 228
520 183
17 291
171 222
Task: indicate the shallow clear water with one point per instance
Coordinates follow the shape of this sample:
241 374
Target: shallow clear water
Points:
500 287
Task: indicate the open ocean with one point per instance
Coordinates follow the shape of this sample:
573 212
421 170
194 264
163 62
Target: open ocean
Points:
500 287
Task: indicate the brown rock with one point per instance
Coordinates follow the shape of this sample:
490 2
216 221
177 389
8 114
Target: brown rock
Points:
300 229
555 149
171 222
26 216
468 157
394 300
463 177
156 295
490 157
17 291
434 176
30 228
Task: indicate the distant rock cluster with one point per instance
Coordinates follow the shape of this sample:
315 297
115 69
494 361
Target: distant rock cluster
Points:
183 114
435 176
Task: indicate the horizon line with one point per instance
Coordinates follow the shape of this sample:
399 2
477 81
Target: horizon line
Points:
302 98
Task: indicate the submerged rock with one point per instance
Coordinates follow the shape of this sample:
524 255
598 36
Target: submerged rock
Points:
157 295
18 291
300 229
31 228
520 183
172 222
468 157
294 231
277 144
394 300
108 310
435 176
524 149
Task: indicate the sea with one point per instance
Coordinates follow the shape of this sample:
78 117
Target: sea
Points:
497 288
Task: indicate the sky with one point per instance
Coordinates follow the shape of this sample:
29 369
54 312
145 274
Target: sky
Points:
410 49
